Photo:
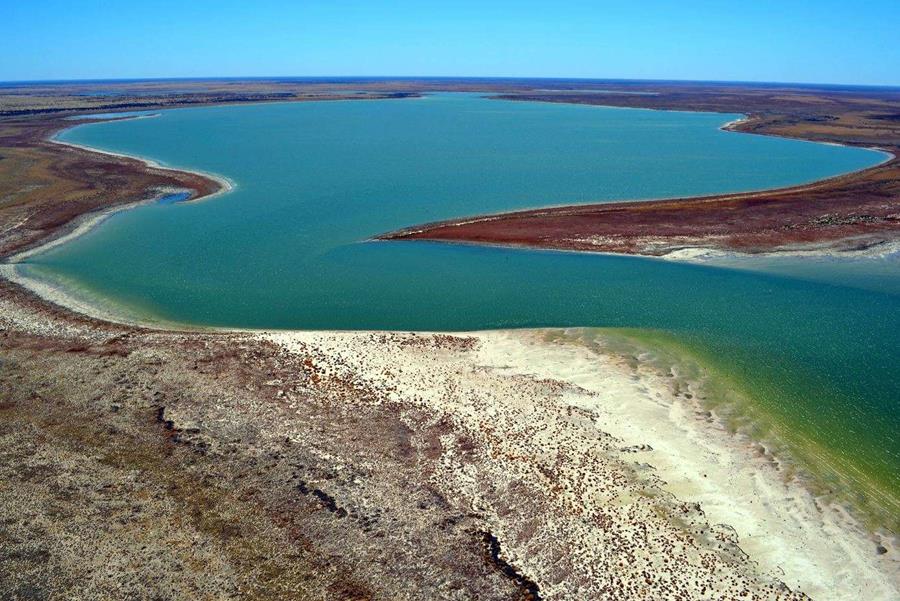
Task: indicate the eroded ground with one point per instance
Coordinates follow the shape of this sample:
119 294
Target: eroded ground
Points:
147 464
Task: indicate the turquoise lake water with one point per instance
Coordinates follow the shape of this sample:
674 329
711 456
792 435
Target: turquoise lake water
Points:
288 248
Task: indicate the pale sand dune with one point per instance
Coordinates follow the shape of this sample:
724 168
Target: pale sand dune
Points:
601 436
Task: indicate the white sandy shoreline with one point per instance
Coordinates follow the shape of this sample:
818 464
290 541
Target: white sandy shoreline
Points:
779 524
703 254
658 431
226 185
816 548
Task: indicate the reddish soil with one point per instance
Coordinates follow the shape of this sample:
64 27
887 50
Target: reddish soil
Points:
848 212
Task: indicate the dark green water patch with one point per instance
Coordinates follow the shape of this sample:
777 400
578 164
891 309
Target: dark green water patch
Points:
813 441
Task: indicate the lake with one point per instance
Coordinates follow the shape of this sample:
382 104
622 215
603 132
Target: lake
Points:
814 357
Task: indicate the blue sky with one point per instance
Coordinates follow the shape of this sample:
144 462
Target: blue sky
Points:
820 41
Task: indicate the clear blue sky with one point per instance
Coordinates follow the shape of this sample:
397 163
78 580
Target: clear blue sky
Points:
821 41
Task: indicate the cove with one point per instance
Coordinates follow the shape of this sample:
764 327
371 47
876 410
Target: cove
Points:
288 248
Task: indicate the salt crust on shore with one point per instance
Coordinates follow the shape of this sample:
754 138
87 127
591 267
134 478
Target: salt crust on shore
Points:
225 185
700 254
626 420
660 433
780 526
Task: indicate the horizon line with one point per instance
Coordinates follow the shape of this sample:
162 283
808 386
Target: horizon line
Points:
10 82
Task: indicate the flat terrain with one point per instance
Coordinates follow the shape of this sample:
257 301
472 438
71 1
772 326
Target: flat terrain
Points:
148 464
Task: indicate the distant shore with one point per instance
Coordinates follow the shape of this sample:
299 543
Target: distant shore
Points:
121 181
843 213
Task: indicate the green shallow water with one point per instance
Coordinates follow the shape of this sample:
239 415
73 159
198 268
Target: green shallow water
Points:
816 357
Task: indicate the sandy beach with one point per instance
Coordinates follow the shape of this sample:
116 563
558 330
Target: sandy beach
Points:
598 444
621 417
594 438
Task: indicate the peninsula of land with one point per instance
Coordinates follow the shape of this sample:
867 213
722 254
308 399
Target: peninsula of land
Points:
852 212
